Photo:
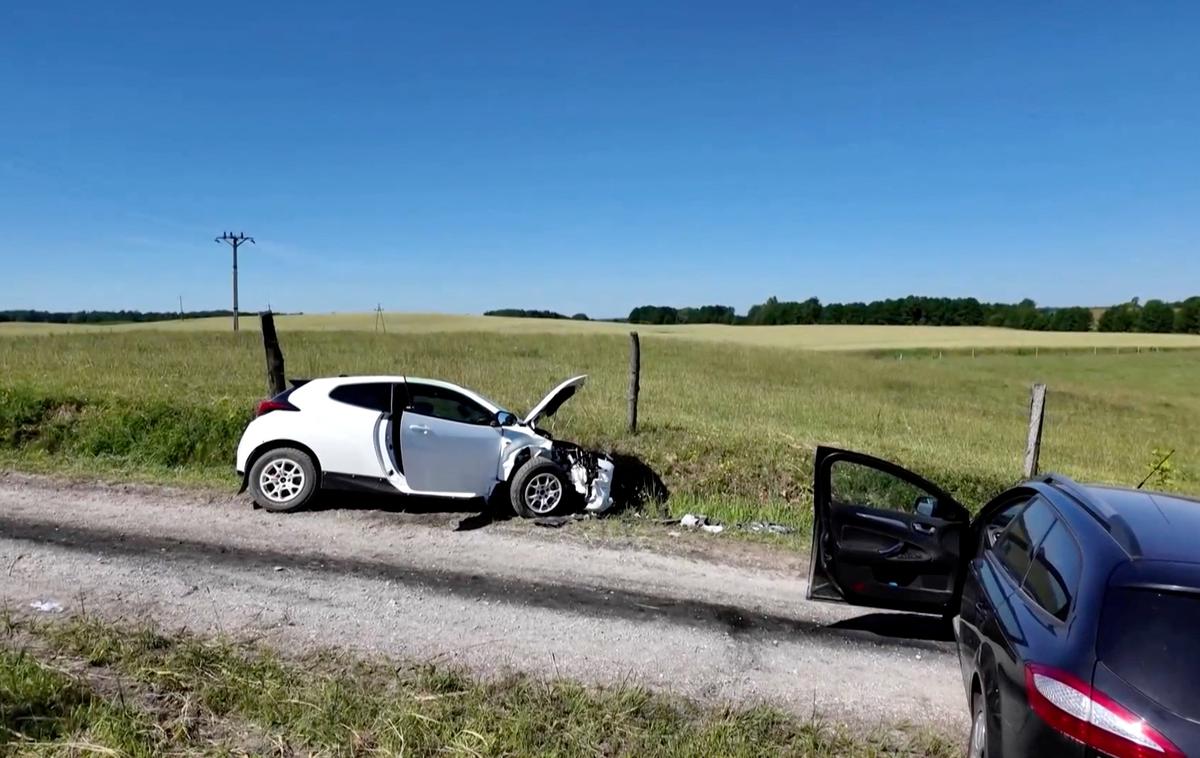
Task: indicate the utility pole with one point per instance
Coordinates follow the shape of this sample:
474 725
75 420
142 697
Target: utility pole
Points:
235 240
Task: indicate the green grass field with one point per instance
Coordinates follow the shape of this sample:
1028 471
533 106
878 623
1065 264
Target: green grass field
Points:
730 426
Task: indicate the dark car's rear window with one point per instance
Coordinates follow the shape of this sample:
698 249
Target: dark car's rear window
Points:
1148 638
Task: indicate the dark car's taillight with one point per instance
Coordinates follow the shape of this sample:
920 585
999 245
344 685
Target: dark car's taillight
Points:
1081 712
266 406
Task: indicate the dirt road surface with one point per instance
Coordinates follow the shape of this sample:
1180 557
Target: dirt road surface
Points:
723 626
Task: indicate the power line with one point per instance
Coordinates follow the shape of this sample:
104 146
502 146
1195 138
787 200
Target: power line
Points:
235 241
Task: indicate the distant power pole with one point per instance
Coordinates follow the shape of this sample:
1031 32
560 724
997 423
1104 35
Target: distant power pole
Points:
235 240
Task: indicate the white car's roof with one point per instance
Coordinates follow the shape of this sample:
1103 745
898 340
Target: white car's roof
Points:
547 406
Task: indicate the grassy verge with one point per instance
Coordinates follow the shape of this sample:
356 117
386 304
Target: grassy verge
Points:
730 428
44 710
219 697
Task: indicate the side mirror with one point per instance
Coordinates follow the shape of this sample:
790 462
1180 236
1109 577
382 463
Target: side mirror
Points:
926 505
504 418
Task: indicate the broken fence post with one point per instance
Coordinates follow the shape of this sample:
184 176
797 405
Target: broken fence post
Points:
276 382
1033 442
635 379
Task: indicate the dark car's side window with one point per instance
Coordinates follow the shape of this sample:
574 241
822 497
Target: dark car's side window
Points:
1054 573
1015 545
999 521
375 396
443 403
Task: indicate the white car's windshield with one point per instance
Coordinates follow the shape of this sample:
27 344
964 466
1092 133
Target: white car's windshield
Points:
499 408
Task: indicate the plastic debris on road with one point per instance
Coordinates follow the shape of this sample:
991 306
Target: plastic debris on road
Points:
46 606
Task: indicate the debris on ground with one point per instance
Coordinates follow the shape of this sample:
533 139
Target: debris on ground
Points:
766 527
554 522
693 521
47 606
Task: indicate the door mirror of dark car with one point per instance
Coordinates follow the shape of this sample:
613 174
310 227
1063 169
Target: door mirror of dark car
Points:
926 505
504 418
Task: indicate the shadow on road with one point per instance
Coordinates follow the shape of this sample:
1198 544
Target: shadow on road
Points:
906 626
603 601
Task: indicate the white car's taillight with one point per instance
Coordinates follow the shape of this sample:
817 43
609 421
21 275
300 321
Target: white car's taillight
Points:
1077 710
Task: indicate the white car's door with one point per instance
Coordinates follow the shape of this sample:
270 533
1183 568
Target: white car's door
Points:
449 444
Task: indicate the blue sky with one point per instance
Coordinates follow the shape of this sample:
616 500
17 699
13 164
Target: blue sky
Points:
595 156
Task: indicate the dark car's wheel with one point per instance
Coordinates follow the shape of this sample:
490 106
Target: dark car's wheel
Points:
977 748
283 479
541 488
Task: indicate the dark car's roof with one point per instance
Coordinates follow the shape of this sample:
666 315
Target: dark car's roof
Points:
1165 526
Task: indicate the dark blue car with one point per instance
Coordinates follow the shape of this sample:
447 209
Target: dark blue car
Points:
1076 608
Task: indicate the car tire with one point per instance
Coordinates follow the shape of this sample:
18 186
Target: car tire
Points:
283 479
541 488
977 747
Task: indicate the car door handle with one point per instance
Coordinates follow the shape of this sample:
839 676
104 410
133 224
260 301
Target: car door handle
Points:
894 550
924 528
419 428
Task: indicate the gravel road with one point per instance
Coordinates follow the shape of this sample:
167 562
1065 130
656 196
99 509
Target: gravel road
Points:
715 626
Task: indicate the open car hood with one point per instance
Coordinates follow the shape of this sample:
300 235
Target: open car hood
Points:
553 401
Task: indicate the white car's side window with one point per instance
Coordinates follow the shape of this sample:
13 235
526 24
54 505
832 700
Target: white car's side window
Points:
439 402
375 396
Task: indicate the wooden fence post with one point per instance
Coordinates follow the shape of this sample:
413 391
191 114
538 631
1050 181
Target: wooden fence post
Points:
276 382
635 379
1033 442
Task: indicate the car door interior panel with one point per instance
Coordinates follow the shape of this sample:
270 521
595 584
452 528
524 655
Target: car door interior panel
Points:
884 536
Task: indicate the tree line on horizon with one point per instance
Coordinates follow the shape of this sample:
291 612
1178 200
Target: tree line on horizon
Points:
527 313
1154 316
106 317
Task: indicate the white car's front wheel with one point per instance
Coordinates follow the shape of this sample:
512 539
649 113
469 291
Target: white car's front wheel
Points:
283 479
541 488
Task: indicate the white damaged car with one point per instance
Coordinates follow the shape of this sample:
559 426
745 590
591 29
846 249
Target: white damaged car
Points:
404 435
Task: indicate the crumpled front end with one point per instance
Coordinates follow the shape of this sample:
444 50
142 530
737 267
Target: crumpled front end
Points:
591 473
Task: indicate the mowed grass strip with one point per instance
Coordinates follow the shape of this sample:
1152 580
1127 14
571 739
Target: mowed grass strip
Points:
730 428
336 704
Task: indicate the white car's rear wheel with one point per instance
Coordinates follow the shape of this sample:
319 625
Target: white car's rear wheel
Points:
541 488
283 479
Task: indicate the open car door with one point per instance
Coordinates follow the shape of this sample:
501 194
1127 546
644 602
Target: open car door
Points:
883 536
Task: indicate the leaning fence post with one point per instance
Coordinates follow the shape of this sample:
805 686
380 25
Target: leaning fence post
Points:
1033 442
635 379
276 382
